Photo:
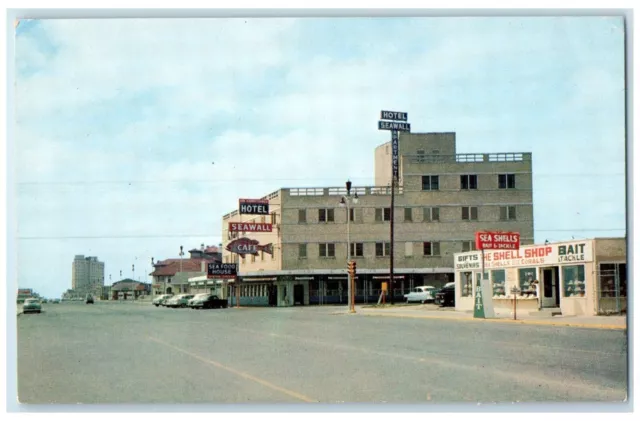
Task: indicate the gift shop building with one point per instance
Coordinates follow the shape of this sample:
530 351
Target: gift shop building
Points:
582 277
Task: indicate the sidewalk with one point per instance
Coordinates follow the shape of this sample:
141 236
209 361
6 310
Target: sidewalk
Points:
448 313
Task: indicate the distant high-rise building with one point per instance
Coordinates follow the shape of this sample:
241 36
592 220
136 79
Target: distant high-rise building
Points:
87 273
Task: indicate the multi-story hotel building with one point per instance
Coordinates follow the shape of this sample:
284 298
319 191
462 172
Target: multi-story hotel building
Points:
442 199
87 274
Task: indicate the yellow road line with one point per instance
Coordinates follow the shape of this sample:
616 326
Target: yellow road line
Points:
470 319
237 373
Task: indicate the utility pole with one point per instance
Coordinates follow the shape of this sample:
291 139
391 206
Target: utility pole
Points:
398 123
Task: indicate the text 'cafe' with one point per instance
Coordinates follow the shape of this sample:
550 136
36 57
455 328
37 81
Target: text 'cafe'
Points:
569 276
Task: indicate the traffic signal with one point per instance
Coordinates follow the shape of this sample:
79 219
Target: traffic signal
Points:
352 267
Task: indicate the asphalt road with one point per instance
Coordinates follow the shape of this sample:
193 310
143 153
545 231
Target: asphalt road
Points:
127 353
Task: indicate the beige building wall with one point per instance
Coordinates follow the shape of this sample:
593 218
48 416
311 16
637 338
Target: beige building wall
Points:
450 231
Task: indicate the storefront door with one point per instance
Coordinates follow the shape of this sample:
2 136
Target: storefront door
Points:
550 287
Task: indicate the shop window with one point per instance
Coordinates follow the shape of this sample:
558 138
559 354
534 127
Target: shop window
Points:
573 281
468 182
607 276
430 182
527 287
466 284
302 216
498 279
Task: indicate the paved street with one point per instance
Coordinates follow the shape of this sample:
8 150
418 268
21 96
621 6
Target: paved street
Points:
132 353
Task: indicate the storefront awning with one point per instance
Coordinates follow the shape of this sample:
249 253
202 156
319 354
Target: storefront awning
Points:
387 277
258 279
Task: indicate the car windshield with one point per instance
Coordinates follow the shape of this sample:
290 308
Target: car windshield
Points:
30 301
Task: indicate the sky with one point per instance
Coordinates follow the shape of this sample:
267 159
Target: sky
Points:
135 136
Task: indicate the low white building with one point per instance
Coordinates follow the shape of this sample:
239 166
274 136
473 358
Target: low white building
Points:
582 277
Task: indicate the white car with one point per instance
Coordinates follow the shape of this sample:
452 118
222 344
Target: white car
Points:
161 300
179 301
197 298
421 294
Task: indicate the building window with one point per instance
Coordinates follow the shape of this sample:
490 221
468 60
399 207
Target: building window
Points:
325 215
469 213
383 214
466 286
420 153
468 246
357 249
506 181
574 282
526 276
253 258
407 215
430 182
507 213
262 256
327 250
612 280
468 182
302 251
383 249
352 215
430 214
430 248
302 215
498 279
273 218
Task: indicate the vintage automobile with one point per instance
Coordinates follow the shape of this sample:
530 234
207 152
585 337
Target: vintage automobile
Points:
422 294
447 295
179 301
31 305
89 299
161 300
209 301
197 297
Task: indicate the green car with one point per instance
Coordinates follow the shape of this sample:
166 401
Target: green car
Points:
31 305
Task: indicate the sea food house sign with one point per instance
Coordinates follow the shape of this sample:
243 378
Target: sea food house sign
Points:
549 254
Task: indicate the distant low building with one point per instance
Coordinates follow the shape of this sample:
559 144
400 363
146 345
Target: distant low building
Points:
171 276
128 289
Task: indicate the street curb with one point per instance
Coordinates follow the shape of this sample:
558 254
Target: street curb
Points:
529 322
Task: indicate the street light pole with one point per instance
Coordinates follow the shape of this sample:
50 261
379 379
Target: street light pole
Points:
347 201
181 254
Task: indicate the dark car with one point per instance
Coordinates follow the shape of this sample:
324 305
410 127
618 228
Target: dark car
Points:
447 295
210 301
89 299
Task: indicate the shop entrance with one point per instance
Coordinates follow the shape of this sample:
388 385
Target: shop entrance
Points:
298 295
550 287
272 291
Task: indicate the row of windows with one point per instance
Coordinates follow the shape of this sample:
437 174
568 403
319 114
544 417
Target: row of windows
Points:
429 248
469 182
252 257
469 213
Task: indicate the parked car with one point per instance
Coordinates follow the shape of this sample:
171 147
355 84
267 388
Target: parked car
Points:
447 295
31 305
179 301
55 301
160 301
421 294
209 301
88 299
197 297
